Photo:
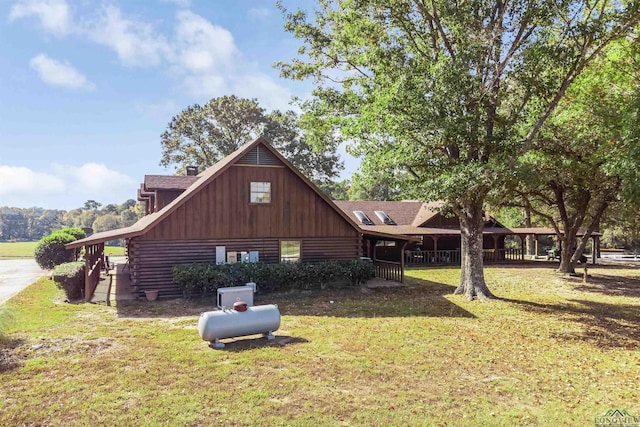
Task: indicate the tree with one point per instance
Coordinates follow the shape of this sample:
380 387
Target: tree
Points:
91 205
587 153
438 89
50 250
202 135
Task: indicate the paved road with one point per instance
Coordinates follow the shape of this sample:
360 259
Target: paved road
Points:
17 274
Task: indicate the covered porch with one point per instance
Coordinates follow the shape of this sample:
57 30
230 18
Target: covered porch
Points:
442 246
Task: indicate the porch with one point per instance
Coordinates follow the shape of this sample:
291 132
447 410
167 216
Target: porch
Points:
452 257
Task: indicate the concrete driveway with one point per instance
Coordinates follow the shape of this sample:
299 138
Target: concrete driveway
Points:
17 274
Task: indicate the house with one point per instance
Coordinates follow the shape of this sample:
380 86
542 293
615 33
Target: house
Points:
438 234
253 205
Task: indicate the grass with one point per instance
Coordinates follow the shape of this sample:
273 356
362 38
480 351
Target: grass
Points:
26 250
551 351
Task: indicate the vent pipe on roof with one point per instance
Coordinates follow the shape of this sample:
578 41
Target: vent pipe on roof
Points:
192 170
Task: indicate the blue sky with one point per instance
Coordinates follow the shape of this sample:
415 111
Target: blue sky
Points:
87 87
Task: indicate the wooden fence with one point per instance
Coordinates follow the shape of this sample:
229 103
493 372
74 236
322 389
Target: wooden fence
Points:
414 258
389 270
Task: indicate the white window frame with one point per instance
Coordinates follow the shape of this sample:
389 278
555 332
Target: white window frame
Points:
260 192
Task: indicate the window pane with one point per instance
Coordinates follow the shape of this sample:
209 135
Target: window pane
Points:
289 251
260 192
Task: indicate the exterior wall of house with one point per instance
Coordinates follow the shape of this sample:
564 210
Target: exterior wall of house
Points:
222 210
220 214
164 197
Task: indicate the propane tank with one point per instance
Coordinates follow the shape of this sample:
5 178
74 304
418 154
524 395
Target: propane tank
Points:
260 319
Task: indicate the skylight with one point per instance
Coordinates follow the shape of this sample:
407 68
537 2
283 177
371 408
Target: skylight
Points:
385 218
363 218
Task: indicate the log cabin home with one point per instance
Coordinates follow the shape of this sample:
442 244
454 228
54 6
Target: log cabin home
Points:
251 206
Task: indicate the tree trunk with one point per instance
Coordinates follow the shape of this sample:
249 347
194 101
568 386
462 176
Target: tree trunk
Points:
530 240
566 258
472 283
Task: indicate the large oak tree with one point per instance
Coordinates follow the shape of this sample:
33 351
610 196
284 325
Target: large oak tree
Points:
202 135
586 157
443 89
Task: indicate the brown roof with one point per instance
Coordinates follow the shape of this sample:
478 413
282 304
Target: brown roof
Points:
201 181
403 213
168 182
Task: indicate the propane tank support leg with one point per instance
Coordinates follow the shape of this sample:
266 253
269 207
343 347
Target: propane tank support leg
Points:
269 336
216 344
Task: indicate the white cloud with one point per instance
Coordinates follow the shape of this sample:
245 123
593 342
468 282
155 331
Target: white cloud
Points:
54 15
201 55
259 14
59 73
16 180
270 94
202 47
135 42
64 186
94 179
179 3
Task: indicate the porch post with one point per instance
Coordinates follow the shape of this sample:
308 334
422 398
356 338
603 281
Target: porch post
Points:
87 269
404 245
535 256
523 241
596 249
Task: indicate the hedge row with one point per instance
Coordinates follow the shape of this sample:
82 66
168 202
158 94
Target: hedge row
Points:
205 279
50 250
70 277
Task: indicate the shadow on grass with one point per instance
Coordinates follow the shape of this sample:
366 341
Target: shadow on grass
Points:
610 285
241 344
605 325
419 298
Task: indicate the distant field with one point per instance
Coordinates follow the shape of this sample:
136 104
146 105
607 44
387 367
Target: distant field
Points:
26 250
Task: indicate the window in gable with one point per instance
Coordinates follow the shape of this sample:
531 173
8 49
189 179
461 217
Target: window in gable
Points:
260 192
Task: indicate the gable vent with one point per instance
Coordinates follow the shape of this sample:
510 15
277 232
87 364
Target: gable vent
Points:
385 218
259 156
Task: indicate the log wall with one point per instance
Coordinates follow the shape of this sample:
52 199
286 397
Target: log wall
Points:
151 261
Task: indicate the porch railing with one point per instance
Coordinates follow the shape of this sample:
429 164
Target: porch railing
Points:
93 256
453 257
389 270
432 257
502 255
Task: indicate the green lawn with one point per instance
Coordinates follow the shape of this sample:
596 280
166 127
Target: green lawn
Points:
26 250
552 351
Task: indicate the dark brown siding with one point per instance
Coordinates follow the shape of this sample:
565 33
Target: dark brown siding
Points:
164 197
151 261
441 221
221 210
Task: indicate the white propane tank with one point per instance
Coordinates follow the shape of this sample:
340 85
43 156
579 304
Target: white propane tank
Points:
259 319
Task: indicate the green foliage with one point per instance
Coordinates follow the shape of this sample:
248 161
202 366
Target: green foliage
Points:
205 279
50 250
70 278
447 92
202 135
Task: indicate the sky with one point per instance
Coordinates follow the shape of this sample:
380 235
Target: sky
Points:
87 87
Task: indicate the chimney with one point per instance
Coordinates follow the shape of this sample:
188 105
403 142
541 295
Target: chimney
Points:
192 170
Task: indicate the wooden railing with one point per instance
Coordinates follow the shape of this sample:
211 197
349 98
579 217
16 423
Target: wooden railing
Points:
502 255
432 257
453 257
94 256
389 270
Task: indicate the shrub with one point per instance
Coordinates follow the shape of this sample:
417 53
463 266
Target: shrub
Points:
205 279
50 250
70 278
